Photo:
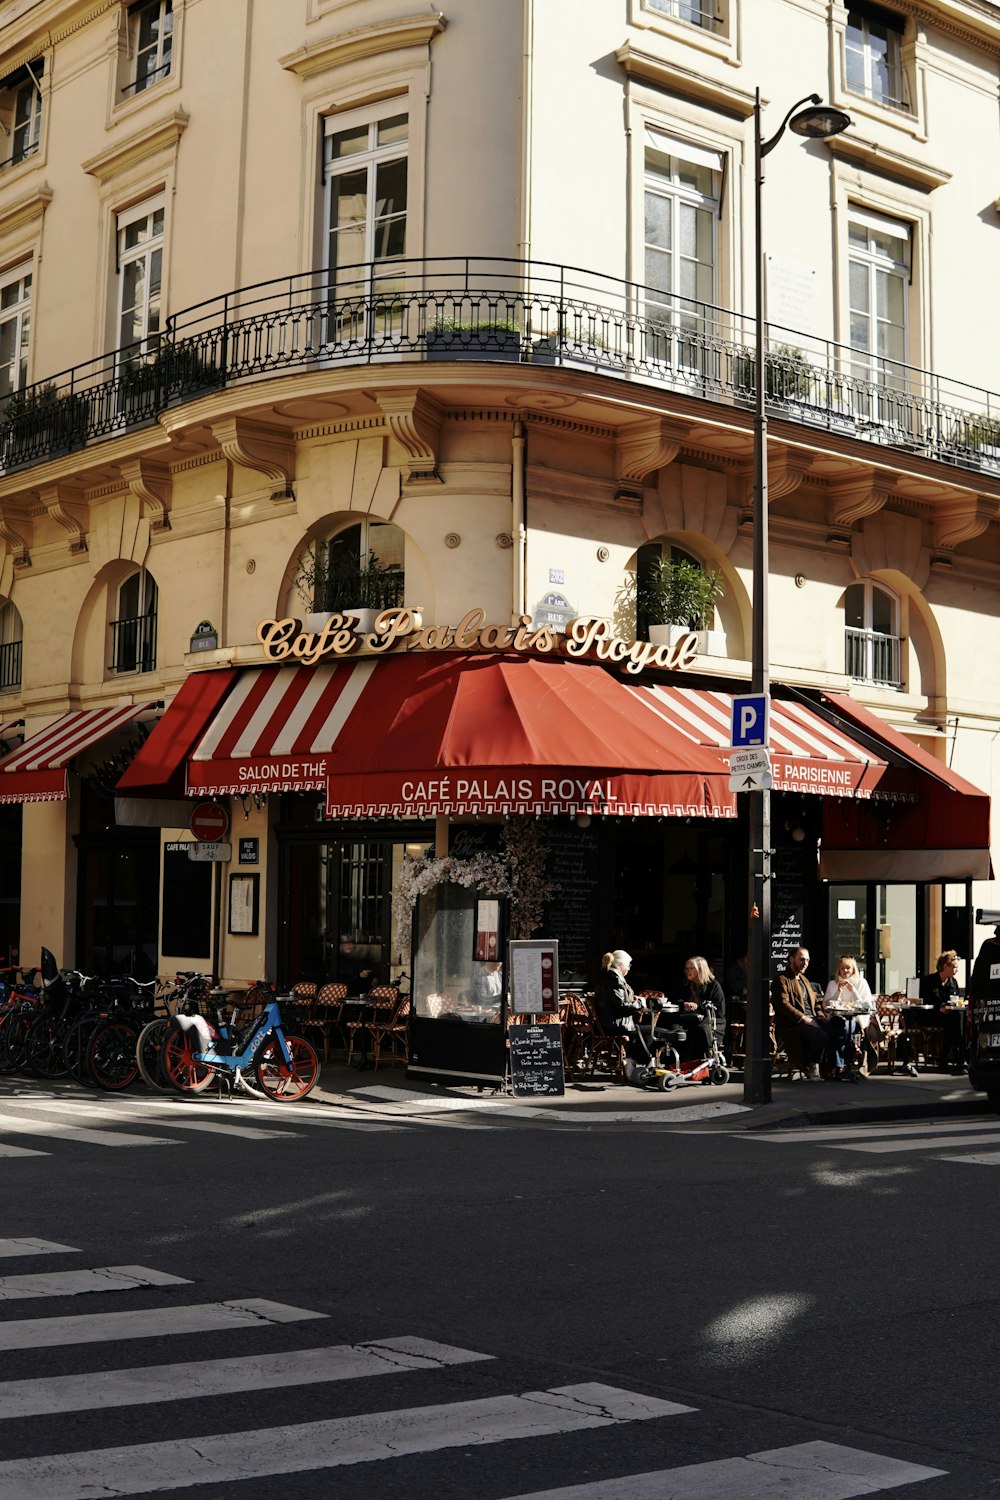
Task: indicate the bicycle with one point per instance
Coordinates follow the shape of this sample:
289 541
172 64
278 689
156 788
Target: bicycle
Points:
194 1053
187 988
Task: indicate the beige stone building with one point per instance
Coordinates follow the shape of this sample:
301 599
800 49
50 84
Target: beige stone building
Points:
471 291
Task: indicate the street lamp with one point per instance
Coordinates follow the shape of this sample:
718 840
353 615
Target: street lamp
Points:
817 121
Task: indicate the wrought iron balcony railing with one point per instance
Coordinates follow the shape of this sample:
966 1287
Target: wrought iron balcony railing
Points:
133 644
530 312
10 667
872 657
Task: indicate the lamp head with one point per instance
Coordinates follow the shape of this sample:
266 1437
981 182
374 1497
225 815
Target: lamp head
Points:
819 121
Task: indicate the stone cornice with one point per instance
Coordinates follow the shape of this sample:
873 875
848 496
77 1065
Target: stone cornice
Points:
15 215
342 47
119 157
879 158
648 67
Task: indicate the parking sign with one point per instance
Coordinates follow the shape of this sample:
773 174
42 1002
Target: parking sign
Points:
750 721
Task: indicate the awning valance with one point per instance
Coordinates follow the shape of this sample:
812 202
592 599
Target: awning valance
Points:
36 772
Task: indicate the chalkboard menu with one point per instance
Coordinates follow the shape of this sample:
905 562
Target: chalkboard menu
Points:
788 904
573 914
536 1061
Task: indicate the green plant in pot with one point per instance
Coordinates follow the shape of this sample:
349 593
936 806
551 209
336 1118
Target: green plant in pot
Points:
336 580
982 435
788 375
675 596
476 338
40 420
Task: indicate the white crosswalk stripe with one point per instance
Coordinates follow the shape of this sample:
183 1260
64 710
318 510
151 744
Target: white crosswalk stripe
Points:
223 1454
944 1140
21 1125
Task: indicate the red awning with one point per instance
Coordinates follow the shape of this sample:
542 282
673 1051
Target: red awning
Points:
415 735
158 768
931 825
807 753
36 772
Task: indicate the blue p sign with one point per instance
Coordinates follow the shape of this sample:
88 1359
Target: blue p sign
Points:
750 721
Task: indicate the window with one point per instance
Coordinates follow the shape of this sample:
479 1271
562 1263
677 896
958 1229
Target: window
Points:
21 113
873 55
871 635
360 567
879 272
366 185
11 639
681 204
133 633
703 13
652 590
15 318
140 268
150 40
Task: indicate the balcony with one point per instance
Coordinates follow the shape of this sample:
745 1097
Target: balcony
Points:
873 658
10 667
133 644
529 313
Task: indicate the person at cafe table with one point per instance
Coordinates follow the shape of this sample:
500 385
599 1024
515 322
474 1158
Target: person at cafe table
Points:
940 991
800 1019
849 990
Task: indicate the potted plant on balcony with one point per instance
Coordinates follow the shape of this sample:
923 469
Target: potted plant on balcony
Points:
981 440
788 375
675 597
488 338
333 581
40 422
577 348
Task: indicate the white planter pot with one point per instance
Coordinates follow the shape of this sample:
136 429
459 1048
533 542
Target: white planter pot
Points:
316 622
364 619
707 642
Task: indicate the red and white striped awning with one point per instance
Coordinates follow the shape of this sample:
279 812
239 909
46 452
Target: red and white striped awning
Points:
36 772
808 754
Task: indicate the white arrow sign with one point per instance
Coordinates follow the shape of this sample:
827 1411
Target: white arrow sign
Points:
751 781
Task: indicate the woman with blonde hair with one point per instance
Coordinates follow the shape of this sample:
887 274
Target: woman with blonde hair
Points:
698 1024
848 990
618 1009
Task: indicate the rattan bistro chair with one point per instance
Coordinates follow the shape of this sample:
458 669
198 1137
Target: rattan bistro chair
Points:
327 1016
382 1002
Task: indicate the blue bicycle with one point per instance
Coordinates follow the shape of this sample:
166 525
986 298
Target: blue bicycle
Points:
196 1050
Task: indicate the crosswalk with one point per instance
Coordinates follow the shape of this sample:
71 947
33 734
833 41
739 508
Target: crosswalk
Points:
229 1449
38 1122
944 1140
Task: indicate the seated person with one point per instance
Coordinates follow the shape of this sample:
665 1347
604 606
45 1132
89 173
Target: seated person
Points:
801 1023
703 989
939 990
487 983
354 970
849 989
618 1010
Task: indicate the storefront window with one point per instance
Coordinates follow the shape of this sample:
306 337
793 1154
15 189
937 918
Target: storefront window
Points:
449 982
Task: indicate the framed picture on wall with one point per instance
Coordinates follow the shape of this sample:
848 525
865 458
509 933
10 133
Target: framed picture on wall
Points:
244 904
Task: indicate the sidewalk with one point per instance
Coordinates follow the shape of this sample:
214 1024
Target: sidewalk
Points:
794 1102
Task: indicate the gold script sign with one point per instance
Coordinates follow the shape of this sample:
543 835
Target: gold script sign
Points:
402 629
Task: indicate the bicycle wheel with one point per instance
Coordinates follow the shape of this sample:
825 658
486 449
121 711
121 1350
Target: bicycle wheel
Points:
281 1083
15 1037
147 1052
111 1056
77 1043
43 1048
177 1065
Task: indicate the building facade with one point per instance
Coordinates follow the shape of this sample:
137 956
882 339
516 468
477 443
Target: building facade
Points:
470 292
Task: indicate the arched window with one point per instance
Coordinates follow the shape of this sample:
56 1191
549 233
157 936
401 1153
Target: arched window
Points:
648 559
872 643
133 631
359 567
11 638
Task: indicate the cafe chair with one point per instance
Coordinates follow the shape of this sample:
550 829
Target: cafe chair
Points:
382 1001
328 1014
578 1033
391 1032
606 1047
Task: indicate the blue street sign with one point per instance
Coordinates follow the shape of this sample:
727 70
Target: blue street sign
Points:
750 721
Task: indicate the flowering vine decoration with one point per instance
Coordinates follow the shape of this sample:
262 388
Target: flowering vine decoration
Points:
517 871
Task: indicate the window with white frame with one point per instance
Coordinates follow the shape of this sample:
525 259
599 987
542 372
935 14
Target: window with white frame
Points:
140 271
133 631
150 44
703 13
365 173
11 641
872 643
21 113
15 322
879 259
873 55
681 208
360 566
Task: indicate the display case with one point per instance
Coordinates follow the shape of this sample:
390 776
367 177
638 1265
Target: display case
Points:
458 1020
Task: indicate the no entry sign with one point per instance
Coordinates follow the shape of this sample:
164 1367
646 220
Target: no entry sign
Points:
209 822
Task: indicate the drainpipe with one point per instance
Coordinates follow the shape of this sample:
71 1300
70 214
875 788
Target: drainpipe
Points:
519 532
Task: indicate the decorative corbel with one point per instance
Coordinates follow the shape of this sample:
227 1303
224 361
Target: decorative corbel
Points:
786 469
18 538
414 420
854 498
258 445
151 483
64 505
641 448
961 518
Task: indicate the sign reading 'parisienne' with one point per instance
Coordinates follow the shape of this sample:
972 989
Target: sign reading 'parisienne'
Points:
403 629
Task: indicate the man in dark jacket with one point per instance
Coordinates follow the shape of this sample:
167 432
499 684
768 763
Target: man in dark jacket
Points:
801 1024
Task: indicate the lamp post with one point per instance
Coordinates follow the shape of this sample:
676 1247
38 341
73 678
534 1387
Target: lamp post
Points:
813 119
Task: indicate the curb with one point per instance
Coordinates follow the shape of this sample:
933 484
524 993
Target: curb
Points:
872 1114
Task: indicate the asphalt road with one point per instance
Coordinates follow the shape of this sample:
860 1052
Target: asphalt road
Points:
690 1296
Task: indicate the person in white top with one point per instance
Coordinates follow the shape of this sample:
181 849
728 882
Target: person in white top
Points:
848 991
